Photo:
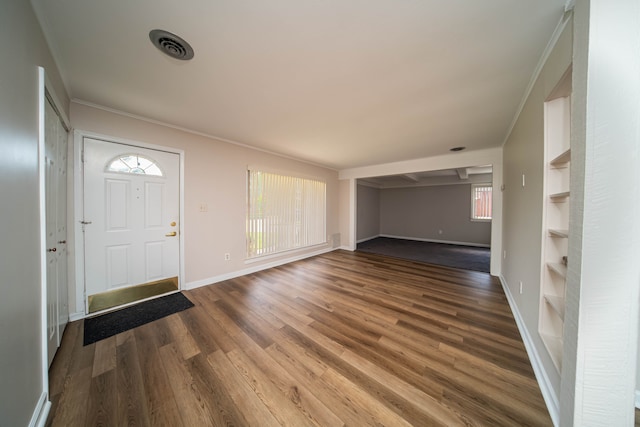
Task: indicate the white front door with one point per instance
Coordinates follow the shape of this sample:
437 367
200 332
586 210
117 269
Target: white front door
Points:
131 215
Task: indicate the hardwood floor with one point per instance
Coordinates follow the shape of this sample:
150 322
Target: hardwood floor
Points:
339 339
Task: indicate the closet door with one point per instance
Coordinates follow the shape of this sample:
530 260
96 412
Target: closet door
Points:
55 157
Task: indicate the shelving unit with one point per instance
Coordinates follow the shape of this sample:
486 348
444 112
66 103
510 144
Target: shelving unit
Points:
556 219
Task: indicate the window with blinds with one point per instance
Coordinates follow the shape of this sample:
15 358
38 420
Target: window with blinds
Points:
481 202
284 213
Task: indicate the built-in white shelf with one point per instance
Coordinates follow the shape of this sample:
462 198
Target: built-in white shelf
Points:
559 197
554 347
555 235
557 303
561 269
562 160
554 232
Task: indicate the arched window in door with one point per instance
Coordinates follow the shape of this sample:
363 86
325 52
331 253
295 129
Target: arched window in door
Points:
134 163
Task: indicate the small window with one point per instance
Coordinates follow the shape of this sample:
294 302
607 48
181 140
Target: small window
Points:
134 163
481 202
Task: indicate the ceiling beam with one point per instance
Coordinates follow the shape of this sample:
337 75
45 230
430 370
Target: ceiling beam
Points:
411 177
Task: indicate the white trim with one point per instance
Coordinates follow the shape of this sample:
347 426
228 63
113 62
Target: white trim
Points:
260 258
43 403
548 393
366 239
78 214
249 270
536 72
353 212
638 399
194 132
78 315
448 242
41 412
56 103
346 248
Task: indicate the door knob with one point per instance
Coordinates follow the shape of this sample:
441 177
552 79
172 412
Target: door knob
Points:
173 233
62 242
52 250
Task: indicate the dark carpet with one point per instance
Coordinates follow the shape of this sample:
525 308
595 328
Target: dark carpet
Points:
104 326
456 256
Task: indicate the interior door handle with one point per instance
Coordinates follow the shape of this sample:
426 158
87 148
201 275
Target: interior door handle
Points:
173 233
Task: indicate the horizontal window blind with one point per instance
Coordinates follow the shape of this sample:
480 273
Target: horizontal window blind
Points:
481 202
284 213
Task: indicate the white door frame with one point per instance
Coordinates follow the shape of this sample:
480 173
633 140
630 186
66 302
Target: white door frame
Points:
78 210
45 90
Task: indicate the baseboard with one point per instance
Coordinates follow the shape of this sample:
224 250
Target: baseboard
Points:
76 316
448 242
548 393
41 411
367 239
254 269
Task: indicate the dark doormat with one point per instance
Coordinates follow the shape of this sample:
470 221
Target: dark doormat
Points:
104 326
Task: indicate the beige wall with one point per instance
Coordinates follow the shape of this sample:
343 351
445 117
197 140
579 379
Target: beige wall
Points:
368 212
346 236
439 212
522 214
21 366
215 174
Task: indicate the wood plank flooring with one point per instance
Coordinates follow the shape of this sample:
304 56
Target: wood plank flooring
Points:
338 339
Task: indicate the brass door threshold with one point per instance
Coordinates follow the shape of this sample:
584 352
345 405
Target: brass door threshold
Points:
118 297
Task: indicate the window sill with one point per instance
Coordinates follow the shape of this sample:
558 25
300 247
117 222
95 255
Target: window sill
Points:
479 220
289 252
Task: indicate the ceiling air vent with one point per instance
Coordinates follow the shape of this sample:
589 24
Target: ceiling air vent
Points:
171 44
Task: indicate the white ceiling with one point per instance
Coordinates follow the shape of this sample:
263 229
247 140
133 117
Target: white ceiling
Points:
342 83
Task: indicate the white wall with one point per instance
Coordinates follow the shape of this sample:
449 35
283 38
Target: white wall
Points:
21 367
215 174
523 206
601 319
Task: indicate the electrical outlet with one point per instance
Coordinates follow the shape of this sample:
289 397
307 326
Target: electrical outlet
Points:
227 256
522 180
204 207
520 288
439 231
504 254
